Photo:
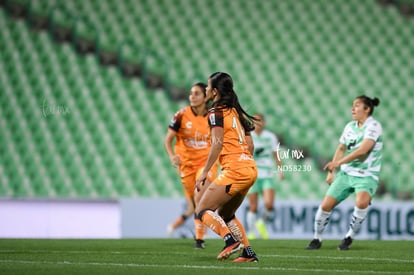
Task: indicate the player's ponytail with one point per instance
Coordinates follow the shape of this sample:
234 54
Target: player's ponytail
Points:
375 101
228 98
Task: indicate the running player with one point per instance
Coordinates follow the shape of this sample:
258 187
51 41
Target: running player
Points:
266 145
232 145
189 127
359 157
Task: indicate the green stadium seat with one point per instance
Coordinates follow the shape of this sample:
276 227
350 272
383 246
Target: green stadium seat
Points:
297 68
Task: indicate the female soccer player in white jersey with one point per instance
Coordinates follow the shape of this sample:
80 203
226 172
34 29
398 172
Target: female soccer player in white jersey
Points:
266 145
359 157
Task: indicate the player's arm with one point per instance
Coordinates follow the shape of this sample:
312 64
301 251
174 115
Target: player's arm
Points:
362 150
366 146
278 161
250 144
339 152
279 165
217 134
168 140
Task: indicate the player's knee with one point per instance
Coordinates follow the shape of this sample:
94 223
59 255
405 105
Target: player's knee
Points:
200 214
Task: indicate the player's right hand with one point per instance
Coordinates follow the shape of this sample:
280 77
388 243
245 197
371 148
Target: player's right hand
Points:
175 160
201 179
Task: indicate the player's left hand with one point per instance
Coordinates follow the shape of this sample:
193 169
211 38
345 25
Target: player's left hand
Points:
331 166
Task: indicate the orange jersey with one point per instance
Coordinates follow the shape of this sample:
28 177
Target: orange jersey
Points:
234 153
192 139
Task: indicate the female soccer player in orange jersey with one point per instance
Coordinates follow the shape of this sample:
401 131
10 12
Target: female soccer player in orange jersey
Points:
189 127
232 145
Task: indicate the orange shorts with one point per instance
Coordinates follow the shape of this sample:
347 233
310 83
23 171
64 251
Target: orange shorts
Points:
237 181
189 181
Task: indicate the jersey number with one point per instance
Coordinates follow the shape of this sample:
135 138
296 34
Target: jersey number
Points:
238 128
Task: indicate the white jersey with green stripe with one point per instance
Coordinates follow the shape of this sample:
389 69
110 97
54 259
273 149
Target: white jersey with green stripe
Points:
264 147
352 137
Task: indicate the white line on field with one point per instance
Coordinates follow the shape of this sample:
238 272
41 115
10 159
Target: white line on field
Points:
339 258
186 254
238 267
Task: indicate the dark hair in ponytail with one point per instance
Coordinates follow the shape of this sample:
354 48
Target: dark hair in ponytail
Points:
369 102
228 98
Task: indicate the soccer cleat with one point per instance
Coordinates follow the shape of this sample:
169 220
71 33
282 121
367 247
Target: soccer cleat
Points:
261 227
241 259
314 244
199 244
229 250
345 244
246 257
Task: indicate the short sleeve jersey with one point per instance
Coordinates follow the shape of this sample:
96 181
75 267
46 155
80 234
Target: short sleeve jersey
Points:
192 139
234 153
265 145
352 137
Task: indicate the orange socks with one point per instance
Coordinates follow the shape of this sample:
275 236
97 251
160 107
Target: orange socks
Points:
215 223
200 229
238 231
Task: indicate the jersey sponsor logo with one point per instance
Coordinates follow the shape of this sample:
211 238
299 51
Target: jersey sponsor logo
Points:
199 141
212 119
245 157
372 133
196 144
351 144
258 151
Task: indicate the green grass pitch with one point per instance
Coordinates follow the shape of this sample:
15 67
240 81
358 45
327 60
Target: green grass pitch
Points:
177 256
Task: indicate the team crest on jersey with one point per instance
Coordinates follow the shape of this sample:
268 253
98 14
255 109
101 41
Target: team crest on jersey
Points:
188 124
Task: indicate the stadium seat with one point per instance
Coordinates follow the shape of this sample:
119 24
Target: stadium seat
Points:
286 61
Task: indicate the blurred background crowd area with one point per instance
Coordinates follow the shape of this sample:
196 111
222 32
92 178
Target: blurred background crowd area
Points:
87 87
